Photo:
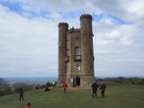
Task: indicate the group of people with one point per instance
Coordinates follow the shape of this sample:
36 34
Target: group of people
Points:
94 89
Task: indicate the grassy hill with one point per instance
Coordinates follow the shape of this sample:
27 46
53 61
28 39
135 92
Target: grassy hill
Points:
119 96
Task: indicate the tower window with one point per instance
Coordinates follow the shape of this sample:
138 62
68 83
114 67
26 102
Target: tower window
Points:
77 51
77 67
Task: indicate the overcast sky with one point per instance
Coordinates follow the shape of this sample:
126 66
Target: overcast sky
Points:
29 35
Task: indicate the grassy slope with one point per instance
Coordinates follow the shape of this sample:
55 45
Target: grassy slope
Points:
121 96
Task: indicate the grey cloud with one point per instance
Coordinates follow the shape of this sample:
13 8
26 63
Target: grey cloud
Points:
109 6
29 46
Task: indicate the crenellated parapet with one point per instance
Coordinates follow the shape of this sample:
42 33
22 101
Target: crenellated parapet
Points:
73 30
62 24
85 16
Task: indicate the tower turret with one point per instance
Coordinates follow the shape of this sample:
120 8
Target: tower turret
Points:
63 29
87 49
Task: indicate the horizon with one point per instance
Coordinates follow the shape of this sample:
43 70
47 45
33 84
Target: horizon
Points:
29 35
94 76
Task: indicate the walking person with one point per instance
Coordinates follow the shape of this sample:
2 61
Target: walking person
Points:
28 105
103 86
94 89
21 94
65 87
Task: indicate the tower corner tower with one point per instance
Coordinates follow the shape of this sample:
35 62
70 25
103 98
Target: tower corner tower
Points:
63 29
87 50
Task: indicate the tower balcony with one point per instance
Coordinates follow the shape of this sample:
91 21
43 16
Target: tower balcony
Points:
66 59
77 57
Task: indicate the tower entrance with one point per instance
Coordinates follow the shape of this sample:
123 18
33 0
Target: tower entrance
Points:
77 81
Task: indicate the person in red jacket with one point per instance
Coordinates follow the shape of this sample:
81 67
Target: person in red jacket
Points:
65 87
28 105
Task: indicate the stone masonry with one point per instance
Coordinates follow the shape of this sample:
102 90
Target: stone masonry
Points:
75 53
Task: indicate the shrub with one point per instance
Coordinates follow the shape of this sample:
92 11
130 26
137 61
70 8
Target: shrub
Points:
5 88
2 92
140 81
49 84
24 86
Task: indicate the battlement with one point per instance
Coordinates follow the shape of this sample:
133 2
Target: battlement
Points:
73 30
62 24
85 16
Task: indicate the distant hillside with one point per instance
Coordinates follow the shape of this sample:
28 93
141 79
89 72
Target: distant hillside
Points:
31 80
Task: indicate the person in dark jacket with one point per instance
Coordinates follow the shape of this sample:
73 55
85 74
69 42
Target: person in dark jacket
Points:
103 86
94 89
21 94
46 88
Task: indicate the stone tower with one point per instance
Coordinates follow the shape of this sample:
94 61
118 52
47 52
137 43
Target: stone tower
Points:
76 56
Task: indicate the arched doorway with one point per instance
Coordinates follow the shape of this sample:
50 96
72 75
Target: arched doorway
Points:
77 81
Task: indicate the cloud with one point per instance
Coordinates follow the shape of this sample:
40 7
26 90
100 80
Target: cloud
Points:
26 44
29 35
118 48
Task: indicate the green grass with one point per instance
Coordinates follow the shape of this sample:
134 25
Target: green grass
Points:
119 96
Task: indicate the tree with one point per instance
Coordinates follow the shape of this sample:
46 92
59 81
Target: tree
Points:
4 87
3 84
